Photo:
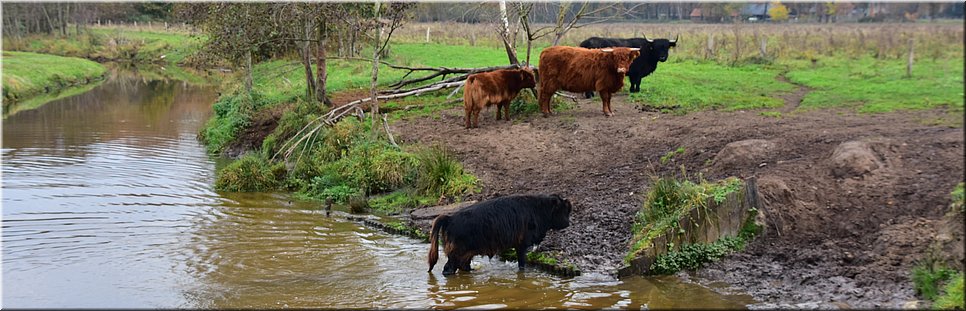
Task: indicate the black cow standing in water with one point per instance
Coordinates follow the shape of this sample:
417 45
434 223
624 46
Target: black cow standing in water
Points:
492 226
652 52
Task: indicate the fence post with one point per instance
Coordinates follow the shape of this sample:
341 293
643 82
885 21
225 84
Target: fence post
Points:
761 48
710 51
427 34
911 57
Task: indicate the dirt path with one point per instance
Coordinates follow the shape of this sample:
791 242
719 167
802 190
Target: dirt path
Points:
792 100
848 240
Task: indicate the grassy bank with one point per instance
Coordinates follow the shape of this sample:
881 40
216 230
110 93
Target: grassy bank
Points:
29 74
114 44
667 201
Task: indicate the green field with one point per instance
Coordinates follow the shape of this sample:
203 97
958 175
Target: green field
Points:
30 74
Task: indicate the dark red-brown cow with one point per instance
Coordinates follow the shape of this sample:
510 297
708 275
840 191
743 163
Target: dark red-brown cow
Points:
581 70
492 226
493 88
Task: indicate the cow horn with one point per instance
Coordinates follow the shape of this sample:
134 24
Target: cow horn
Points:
649 40
635 49
675 38
607 50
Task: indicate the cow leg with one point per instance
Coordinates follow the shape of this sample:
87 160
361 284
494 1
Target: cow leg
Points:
589 95
467 116
544 100
452 263
521 257
636 84
605 100
476 118
506 110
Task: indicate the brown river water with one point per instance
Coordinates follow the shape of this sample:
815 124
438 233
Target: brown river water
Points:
108 203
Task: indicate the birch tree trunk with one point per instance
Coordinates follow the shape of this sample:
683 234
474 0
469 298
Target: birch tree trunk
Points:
375 65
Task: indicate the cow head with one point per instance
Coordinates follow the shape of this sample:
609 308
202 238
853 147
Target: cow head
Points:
623 57
659 48
527 79
559 212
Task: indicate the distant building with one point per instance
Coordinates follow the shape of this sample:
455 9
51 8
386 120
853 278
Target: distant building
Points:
755 12
696 15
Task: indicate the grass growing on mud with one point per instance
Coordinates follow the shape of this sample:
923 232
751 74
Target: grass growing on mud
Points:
29 74
666 202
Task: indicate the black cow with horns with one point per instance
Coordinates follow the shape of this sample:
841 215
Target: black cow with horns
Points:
652 52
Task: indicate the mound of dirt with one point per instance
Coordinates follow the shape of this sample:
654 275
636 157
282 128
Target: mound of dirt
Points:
744 153
854 159
830 238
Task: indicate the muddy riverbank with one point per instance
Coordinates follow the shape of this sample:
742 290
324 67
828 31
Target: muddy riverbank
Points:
833 235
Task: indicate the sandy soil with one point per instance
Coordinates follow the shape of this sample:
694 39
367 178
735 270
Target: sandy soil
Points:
851 200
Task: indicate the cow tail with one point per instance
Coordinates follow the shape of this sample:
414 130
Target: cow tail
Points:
439 224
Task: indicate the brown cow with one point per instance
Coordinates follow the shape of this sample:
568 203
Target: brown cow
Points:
494 88
583 70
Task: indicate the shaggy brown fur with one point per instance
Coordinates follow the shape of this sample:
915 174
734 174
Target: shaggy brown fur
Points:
493 88
583 70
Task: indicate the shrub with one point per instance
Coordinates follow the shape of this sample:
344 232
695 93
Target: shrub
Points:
248 174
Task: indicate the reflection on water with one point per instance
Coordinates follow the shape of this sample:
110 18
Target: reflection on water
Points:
107 202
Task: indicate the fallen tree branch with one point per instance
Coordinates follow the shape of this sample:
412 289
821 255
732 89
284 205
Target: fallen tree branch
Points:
568 96
443 71
385 124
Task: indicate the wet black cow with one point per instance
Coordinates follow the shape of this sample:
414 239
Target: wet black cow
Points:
652 52
492 226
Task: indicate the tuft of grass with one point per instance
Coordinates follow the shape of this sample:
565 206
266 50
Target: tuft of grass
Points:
440 174
668 200
358 205
959 198
670 154
399 200
952 295
928 276
249 174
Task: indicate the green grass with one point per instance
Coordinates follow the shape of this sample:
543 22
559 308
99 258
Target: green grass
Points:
952 295
176 47
686 86
114 44
667 201
452 56
928 277
28 74
871 86
959 198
